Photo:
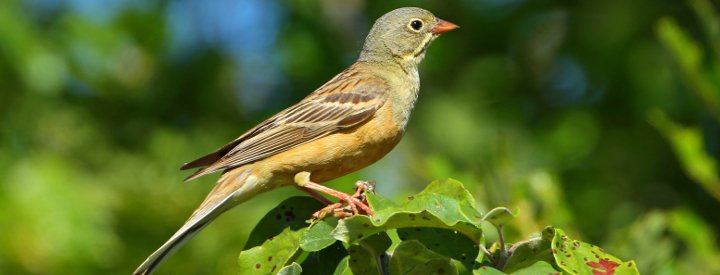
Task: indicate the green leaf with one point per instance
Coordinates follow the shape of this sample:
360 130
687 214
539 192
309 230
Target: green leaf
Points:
319 235
273 254
499 216
291 213
324 261
443 204
486 270
369 256
412 257
528 253
577 257
537 268
343 268
292 269
446 242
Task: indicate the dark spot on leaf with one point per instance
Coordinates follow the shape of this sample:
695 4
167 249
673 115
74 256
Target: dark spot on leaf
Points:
425 218
289 215
554 251
273 269
564 238
257 266
269 258
377 220
568 255
411 198
366 225
563 263
575 271
630 264
412 217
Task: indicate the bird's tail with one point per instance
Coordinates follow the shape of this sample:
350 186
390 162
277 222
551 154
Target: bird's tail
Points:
233 188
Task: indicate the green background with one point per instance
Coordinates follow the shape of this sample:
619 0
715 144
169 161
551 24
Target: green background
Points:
599 117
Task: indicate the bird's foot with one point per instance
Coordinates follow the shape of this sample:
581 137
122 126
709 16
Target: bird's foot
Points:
356 203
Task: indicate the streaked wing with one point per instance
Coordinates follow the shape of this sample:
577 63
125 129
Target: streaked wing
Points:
341 103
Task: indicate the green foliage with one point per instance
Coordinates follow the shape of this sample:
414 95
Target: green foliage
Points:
430 243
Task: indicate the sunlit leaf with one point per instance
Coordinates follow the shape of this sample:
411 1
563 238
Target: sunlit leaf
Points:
273 254
292 269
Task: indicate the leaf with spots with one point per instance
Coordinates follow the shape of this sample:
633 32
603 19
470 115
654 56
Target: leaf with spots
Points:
292 269
291 213
273 254
412 257
576 257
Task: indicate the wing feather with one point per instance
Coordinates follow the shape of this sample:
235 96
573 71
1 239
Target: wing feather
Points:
341 103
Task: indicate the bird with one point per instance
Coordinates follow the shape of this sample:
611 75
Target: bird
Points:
348 123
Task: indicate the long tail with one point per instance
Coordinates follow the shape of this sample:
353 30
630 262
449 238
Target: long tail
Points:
233 188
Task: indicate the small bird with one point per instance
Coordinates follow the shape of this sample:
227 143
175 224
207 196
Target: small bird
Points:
348 123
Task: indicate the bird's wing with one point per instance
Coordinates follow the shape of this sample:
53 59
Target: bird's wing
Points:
342 103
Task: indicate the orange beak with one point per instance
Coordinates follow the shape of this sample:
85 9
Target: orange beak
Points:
443 26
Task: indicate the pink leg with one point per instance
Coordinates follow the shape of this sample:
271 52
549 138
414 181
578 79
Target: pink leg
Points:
354 201
314 195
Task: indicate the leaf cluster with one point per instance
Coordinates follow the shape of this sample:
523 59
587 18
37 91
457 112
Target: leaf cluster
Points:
438 231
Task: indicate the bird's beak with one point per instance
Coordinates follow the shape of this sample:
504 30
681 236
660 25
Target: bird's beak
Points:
443 26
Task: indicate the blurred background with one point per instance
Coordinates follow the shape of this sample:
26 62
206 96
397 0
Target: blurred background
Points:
599 117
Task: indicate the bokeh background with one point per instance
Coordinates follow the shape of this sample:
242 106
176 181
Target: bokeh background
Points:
599 117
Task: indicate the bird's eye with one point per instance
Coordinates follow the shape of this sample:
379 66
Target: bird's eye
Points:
416 25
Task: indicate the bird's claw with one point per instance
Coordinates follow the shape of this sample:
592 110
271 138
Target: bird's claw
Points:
356 203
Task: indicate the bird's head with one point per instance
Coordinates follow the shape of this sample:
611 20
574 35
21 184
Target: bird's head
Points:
403 35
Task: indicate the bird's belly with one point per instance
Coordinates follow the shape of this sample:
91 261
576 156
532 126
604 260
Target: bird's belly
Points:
337 154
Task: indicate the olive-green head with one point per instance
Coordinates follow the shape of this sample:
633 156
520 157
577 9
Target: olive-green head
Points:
403 35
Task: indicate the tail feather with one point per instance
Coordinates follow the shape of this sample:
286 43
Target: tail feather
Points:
186 232
232 189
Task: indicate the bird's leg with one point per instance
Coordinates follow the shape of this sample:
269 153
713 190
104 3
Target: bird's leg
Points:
354 201
314 194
